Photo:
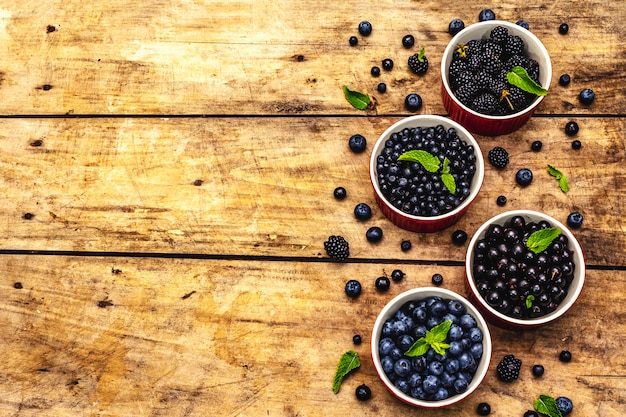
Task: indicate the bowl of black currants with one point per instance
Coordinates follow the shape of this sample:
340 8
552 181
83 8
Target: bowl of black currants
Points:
523 269
431 347
426 170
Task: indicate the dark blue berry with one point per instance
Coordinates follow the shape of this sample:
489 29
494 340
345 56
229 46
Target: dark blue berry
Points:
387 64
571 128
354 41
486 14
357 143
397 275
362 212
524 177
563 28
565 356
413 102
564 405
576 144
375 71
363 392
459 237
408 41
340 193
382 88
523 24
382 284
564 80
356 339
455 26
575 220
374 234
538 370
536 146
405 245
501 200
531 413
437 279
365 28
483 409
586 96
353 288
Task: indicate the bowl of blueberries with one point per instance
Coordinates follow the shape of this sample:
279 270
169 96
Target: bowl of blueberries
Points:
494 75
426 170
430 347
523 269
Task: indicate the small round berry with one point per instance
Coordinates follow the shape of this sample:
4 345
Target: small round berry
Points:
524 177
362 212
437 279
486 14
387 64
501 200
340 193
564 405
374 234
571 128
483 409
357 143
382 284
538 370
365 28
586 96
408 41
354 41
397 275
536 146
576 144
356 339
575 220
563 28
459 237
363 392
531 413
353 288
565 356
382 88
564 80
375 71
455 26
413 102
523 24
405 245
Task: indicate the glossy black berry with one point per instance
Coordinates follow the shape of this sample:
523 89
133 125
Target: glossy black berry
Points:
354 41
337 248
523 24
381 88
362 212
387 64
356 339
405 245
571 128
538 370
486 14
576 144
536 146
340 193
374 234
375 71
531 413
437 279
501 200
413 102
365 28
565 356
363 392
524 177
564 80
586 96
563 28
357 143
397 275
459 237
382 284
483 409
408 41
455 26
353 288
564 405
575 220
508 368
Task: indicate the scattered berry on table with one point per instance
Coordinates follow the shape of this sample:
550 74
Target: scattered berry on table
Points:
498 157
382 284
356 339
523 24
531 413
365 28
455 26
571 128
538 370
340 193
508 368
576 144
354 41
536 146
357 143
337 248
362 212
564 405
381 88
483 409
397 275
405 245
524 176
387 64
353 288
408 41
501 200
374 234
565 356
459 237
413 102
437 279
563 28
575 220
375 71
486 14
363 392
564 80
418 63
586 96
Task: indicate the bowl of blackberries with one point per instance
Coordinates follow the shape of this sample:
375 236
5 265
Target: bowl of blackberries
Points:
426 170
431 347
523 269
494 75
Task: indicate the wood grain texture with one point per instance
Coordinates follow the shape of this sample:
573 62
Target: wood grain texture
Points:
166 337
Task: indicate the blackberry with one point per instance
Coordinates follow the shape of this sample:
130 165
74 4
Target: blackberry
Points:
514 45
457 67
491 48
337 248
365 28
498 157
533 70
482 80
466 93
455 26
363 392
491 62
462 78
408 41
418 63
485 103
499 34
508 368
518 98
516 61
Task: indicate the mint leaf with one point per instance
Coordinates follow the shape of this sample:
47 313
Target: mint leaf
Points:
438 333
449 182
429 161
433 339
349 361
540 240
420 56
529 300
520 78
563 183
547 405
419 348
358 100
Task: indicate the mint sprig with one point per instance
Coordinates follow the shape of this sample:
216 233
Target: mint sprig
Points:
357 99
520 78
547 405
432 164
349 361
540 240
562 179
434 338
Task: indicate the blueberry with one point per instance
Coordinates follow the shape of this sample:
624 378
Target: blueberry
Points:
402 385
576 144
354 41
408 41
455 26
353 288
381 88
437 279
476 350
538 370
523 24
375 71
413 102
501 200
365 28
467 362
402 367
565 356
415 380
441 394
571 128
387 364
385 346
575 220
387 64
397 275
405 342
460 385
357 143
382 284
486 14
455 349
467 321
483 409
435 368
524 177
564 405
536 146
456 307
564 80
431 384
586 96
363 392
475 334
452 366
374 234
531 413
563 28
340 193
418 392
405 245
362 212
356 339
438 308
420 314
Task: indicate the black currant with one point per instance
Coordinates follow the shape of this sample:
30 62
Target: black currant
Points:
437 279
501 200
382 284
405 245
565 356
356 339
536 146
563 28
375 71
564 80
381 88
576 144
408 41
538 370
387 64
354 41
459 237
571 128
340 193
483 409
363 392
397 275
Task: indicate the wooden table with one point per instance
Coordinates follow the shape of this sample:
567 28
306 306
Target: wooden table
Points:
167 179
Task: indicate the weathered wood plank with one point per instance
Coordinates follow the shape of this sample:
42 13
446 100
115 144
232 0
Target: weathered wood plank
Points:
151 337
280 57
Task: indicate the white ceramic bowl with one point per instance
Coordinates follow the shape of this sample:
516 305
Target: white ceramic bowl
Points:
501 320
482 124
418 294
424 223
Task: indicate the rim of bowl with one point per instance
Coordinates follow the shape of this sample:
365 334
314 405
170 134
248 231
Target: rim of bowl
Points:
546 73
579 273
429 120
417 293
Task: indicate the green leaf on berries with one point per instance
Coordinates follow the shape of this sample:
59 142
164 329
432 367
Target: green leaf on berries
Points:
563 182
547 405
540 240
420 56
358 100
520 78
434 339
529 300
446 177
429 161
349 361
